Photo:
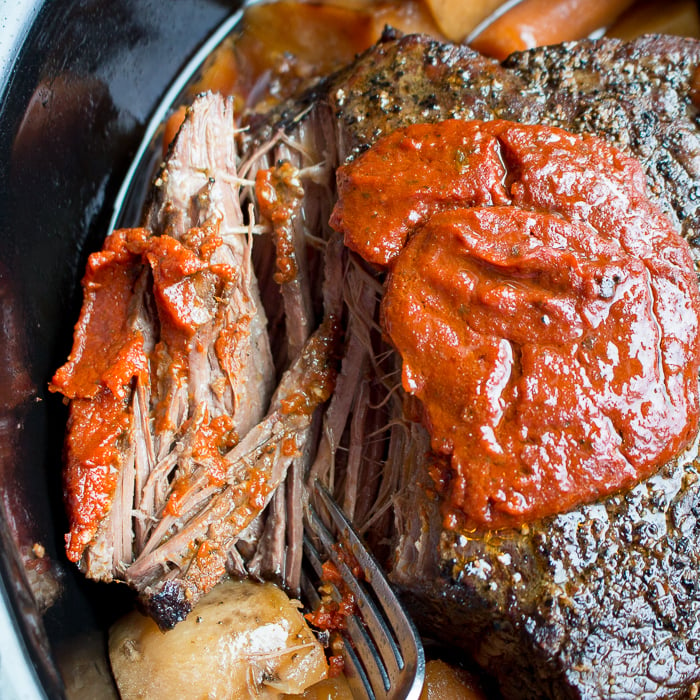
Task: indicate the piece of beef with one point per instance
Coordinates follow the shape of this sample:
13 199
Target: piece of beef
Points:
603 601
177 442
636 95
184 560
600 602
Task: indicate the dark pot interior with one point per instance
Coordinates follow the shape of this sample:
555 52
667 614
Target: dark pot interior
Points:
78 86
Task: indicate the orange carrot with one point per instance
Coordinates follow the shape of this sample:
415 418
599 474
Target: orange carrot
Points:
172 126
680 17
220 72
540 22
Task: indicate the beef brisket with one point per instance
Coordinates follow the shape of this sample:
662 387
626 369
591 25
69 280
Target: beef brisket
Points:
600 602
603 601
176 442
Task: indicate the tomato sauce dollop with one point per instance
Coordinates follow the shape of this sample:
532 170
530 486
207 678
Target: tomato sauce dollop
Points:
546 312
110 352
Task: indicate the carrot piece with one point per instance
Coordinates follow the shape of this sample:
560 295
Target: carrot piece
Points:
457 18
679 17
533 23
172 126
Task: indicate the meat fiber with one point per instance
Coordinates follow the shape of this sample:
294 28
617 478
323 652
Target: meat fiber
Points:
603 601
176 442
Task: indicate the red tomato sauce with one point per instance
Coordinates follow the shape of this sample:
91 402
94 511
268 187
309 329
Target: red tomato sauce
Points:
546 312
108 355
279 194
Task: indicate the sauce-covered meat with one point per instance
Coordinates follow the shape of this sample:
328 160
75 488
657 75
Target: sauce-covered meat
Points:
109 354
545 311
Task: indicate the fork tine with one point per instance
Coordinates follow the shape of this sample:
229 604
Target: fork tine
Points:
383 591
379 676
379 668
391 654
358 681
369 667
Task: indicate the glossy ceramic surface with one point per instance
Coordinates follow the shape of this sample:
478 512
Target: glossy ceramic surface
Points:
78 84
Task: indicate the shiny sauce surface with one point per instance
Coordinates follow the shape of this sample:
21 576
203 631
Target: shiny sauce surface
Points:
545 311
110 355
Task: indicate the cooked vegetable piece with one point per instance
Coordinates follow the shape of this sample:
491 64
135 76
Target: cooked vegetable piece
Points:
329 689
242 640
680 17
84 668
284 45
541 22
457 18
220 72
172 126
408 16
445 681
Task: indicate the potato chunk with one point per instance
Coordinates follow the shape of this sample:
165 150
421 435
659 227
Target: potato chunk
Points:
445 681
242 640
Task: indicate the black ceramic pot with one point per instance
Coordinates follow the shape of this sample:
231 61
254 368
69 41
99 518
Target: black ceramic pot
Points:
78 82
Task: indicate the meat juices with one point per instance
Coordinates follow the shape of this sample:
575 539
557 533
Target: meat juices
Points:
545 311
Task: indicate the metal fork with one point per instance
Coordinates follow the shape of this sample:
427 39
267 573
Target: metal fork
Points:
382 651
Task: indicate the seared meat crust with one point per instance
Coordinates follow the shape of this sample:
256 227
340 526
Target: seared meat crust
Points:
601 602
636 95
604 601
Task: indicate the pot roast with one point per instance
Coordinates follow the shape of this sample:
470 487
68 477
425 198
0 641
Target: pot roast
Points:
205 470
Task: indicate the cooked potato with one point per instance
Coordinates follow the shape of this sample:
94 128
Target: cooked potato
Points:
242 640
445 681
330 689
